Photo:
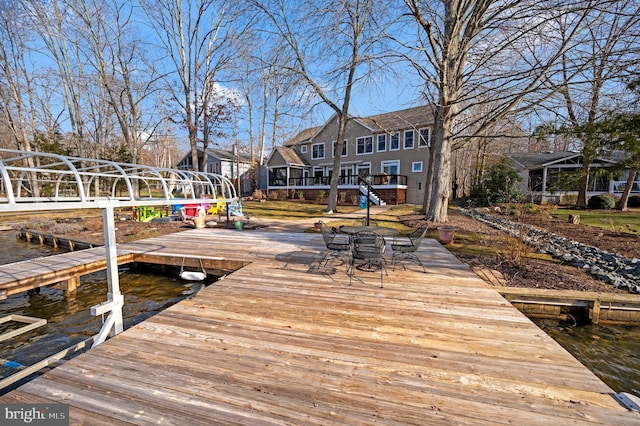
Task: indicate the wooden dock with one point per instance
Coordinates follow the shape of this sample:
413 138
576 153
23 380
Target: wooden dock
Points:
281 341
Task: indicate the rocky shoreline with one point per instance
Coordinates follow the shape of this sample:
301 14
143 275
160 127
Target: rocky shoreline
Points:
614 269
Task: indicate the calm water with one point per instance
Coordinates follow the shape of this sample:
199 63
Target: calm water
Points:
610 352
69 320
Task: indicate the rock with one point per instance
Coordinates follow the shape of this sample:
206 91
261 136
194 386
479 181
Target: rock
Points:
607 267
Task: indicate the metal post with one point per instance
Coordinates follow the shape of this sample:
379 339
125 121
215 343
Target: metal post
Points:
368 180
115 299
368 201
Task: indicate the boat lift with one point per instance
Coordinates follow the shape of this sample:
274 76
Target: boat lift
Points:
36 181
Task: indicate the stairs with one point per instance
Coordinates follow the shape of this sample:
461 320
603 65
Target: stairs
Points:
373 196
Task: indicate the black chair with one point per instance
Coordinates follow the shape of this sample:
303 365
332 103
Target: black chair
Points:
404 249
338 245
362 221
367 254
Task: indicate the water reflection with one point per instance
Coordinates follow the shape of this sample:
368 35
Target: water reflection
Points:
69 320
610 352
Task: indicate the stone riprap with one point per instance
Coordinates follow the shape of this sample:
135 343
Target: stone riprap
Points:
610 268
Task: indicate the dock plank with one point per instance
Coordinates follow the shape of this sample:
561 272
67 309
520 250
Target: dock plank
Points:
282 341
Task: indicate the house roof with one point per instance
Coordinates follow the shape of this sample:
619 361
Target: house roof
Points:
531 160
303 136
226 155
390 121
407 118
534 160
291 156
221 155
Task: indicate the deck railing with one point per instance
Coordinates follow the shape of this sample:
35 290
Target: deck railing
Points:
352 180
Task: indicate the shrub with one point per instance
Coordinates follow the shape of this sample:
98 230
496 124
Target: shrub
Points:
634 201
499 185
258 194
601 202
569 199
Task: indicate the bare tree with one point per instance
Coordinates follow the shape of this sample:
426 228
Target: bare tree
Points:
56 29
331 43
607 47
467 51
113 48
198 36
16 82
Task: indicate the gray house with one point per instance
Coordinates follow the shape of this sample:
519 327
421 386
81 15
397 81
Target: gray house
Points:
230 164
542 174
391 148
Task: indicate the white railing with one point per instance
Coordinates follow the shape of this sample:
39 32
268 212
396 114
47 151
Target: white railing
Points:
36 181
618 186
57 182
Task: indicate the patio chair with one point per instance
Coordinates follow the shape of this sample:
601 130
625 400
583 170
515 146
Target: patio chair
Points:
367 254
338 245
362 221
404 249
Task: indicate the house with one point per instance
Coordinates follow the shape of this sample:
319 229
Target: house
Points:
391 148
545 175
228 163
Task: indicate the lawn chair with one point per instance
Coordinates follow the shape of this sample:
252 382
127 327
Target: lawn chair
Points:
367 254
404 249
338 245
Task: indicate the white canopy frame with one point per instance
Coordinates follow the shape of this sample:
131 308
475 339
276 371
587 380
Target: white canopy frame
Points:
65 183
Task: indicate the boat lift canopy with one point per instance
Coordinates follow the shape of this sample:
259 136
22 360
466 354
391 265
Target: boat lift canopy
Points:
40 181
37 181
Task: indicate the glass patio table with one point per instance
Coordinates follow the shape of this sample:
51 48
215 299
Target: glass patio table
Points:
380 230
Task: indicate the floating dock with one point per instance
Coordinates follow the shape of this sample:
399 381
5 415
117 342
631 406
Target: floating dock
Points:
282 341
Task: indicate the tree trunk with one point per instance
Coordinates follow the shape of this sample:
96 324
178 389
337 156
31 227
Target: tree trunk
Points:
624 199
441 182
581 202
332 203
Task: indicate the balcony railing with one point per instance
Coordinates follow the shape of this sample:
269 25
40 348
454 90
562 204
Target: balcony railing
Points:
378 180
618 186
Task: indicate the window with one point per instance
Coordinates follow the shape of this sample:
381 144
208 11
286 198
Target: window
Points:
382 143
364 145
425 138
335 145
394 145
317 151
416 167
303 149
408 139
390 167
364 169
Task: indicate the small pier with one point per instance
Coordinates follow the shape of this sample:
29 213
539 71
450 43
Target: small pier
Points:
280 340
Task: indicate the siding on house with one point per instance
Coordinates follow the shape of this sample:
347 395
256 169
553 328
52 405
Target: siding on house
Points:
223 162
369 148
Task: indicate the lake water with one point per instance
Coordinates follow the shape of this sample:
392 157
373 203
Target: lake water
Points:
69 320
610 352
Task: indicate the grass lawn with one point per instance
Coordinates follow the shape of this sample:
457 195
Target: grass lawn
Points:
613 220
288 209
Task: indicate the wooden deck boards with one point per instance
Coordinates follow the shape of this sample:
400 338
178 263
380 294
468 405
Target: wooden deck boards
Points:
282 341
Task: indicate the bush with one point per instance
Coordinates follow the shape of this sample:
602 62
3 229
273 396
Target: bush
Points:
569 199
499 185
601 202
634 201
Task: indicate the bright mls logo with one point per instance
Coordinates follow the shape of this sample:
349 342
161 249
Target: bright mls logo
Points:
35 414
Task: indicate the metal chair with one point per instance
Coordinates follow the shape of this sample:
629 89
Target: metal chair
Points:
362 221
338 245
405 249
367 254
